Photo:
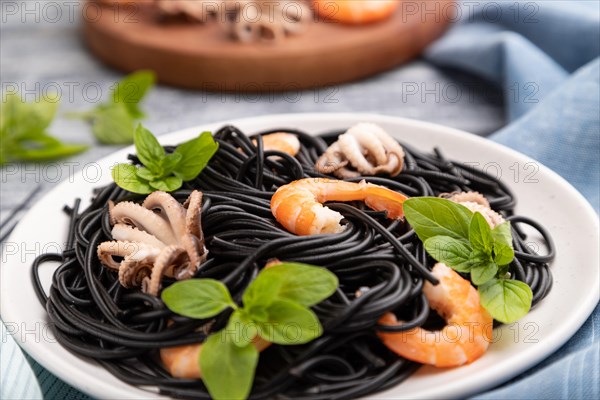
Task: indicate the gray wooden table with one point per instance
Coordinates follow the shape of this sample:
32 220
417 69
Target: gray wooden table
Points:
41 50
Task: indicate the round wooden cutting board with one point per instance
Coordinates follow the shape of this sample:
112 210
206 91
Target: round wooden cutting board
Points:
130 37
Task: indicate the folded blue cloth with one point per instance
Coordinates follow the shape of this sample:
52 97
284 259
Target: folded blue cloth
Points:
544 56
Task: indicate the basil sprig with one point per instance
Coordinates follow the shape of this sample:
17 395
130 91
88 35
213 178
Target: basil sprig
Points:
113 122
162 171
464 241
275 309
24 131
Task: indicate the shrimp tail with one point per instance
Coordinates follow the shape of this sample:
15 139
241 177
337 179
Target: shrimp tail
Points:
383 199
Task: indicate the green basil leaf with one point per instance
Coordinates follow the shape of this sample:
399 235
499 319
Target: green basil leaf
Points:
506 300
125 175
145 174
169 162
197 298
149 151
23 131
304 284
44 148
432 216
482 273
480 234
112 125
195 154
503 233
503 253
132 89
503 243
289 323
454 253
227 370
168 184
241 328
22 120
258 312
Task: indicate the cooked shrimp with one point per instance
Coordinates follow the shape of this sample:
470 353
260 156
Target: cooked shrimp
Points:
298 205
465 337
355 11
182 361
284 142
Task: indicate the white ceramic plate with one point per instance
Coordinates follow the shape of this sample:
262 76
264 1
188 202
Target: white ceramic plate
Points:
542 195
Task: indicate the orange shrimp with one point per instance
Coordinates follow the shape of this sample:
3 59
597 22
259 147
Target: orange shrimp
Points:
298 205
183 361
355 11
280 141
465 337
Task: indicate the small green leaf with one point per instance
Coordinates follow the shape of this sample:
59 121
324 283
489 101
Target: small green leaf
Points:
503 244
481 273
112 125
44 148
503 233
23 135
304 284
257 312
169 162
480 234
168 184
432 216
506 300
241 328
149 151
197 298
145 174
454 253
22 120
125 175
132 89
503 253
289 323
227 370
195 154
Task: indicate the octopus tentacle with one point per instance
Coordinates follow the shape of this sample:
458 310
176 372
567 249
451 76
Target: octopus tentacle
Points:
169 259
129 213
193 217
169 209
357 143
132 234
133 272
132 250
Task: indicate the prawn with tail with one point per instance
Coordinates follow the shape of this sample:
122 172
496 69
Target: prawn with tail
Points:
464 339
281 141
298 206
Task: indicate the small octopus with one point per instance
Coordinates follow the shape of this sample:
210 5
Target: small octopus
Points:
161 237
365 147
244 20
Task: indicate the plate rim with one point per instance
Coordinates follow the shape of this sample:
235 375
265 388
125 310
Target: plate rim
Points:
489 379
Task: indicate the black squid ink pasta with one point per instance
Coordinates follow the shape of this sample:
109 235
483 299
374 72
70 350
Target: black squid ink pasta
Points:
122 329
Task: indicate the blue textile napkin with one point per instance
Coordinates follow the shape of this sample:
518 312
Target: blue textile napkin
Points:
544 56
